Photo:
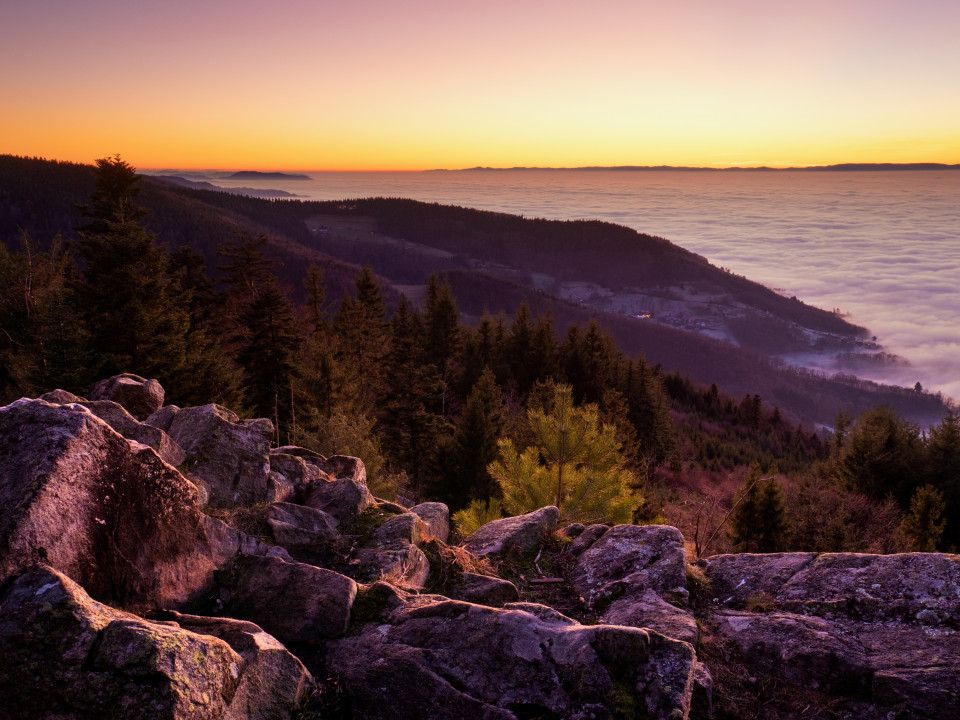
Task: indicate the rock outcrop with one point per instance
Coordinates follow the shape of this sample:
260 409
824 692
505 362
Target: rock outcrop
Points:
105 511
64 655
881 631
297 552
438 658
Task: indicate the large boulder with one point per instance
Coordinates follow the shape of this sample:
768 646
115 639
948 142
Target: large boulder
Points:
230 456
105 511
66 656
439 658
636 576
294 602
296 527
140 397
342 492
272 681
523 533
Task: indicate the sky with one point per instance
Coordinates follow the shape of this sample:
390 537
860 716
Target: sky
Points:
420 84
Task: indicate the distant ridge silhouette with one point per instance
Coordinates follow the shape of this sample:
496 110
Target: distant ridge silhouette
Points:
842 167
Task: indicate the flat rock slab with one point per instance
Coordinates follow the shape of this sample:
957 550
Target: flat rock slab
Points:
437 658
522 533
633 557
910 588
908 670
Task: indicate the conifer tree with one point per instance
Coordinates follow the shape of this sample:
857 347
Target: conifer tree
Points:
408 429
943 458
520 348
923 525
759 522
473 447
135 314
575 464
360 330
266 345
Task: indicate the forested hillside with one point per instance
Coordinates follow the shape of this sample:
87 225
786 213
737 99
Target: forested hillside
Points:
429 401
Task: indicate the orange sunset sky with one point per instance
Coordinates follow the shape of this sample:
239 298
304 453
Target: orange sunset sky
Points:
416 84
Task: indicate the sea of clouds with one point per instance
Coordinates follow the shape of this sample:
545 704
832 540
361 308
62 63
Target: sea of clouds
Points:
881 246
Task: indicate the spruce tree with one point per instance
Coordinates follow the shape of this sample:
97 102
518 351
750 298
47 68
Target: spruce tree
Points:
923 525
408 429
473 447
135 314
360 330
943 470
759 522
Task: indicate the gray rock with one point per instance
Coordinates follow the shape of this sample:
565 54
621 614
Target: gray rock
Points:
226 543
66 656
343 497
401 563
163 418
643 608
310 456
296 526
294 602
735 578
639 556
881 629
345 466
103 510
297 471
61 397
272 681
124 423
228 454
522 532
484 590
406 528
587 538
437 517
437 658
139 396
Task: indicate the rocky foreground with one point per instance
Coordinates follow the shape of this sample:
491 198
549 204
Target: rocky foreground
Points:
165 562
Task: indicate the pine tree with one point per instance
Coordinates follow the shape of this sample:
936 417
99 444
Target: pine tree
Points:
135 314
759 522
266 344
882 455
473 447
360 331
575 464
924 525
408 429
943 463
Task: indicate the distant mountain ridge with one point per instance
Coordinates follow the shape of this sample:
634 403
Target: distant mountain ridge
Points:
842 167
257 175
